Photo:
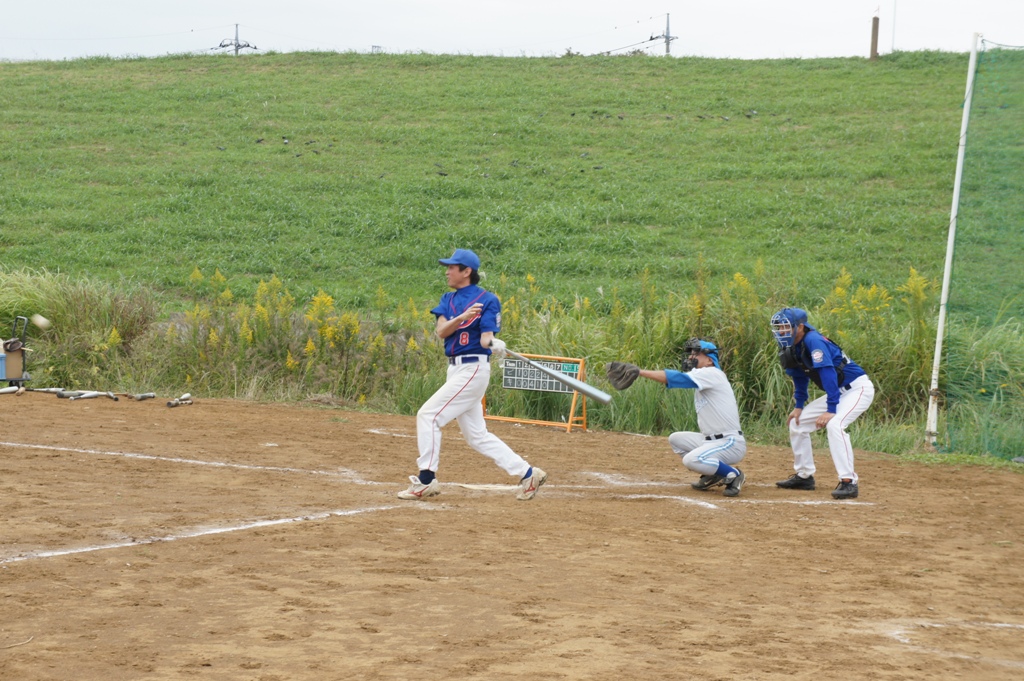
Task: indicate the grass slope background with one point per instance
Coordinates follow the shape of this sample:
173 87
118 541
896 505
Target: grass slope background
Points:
347 172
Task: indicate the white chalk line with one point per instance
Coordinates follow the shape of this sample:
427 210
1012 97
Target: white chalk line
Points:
190 534
813 502
495 488
344 473
902 635
697 502
618 480
382 431
347 475
683 500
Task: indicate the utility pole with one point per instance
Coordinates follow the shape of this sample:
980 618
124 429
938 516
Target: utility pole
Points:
874 39
236 43
667 36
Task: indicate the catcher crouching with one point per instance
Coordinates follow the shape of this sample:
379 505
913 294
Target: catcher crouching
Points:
719 446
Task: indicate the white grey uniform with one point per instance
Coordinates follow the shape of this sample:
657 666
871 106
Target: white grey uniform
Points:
718 417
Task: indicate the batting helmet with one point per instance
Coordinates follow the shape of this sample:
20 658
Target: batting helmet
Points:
695 345
785 323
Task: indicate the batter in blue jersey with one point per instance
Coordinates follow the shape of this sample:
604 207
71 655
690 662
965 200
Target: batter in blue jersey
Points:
468 317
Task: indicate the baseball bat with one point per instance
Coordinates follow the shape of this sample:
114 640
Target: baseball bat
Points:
177 401
577 385
69 393
87 395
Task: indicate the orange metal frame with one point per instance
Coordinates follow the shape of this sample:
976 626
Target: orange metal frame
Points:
577 399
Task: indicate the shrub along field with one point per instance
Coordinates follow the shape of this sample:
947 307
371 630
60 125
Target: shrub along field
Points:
269 226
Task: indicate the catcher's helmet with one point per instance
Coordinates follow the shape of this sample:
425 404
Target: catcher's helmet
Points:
695 345
785 323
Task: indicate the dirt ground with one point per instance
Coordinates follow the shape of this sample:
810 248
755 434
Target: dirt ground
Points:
231 540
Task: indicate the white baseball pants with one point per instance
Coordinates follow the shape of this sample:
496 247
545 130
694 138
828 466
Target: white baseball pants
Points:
852 403
460 399
702 455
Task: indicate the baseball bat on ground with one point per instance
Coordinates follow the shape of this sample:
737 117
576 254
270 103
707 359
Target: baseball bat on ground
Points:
70 393
178 401
577 385
89 394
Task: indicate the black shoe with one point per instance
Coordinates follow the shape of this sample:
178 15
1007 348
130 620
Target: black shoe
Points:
845 490
708 481
796 482
732 488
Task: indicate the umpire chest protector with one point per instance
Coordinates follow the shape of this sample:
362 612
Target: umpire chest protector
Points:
799 357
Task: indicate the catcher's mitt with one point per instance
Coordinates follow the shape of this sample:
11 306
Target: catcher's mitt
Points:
622 374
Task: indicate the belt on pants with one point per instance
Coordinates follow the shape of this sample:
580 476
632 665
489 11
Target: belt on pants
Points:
719 436
849 386
466 359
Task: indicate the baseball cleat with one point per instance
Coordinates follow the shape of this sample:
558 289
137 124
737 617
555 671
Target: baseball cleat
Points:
708 481
796 482
418 491
845 490
528 486
733 486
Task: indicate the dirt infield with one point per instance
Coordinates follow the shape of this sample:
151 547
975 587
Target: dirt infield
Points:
231 540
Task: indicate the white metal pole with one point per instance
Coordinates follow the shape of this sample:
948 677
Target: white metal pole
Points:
893 26
236 40
668 40
931 429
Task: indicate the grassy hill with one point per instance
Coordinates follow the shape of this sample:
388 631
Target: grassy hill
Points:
351 171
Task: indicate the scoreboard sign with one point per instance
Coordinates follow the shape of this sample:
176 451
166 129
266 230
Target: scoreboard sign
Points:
518 375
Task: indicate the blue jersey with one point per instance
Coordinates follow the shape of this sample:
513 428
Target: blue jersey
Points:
822 361
466 339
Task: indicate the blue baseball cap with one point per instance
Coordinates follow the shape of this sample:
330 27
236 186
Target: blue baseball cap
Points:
464 257
706 347
709 349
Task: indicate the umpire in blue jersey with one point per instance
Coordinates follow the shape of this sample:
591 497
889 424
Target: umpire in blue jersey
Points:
808 356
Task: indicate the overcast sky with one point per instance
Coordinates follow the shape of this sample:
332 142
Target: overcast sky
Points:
748 29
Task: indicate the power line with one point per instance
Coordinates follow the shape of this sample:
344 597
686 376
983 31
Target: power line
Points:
666 36
547 41
642 42
236 43
121 37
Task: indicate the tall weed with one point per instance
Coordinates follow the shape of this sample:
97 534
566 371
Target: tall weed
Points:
273 346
